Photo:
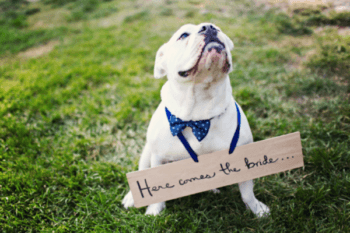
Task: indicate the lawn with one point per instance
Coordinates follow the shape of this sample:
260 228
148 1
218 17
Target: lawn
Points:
73 118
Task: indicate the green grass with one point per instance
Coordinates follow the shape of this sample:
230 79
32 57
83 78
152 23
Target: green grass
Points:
73 122
14 40
14 35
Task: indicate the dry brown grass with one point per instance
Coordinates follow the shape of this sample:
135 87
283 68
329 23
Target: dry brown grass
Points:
296 61
39 51
289 6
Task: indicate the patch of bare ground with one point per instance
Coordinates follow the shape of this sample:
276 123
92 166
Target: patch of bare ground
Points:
268 4
290 6
299 5
342 31
296 61
39 51
305 41
325 6
340 81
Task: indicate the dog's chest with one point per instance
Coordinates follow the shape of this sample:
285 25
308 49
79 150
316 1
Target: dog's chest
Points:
170 148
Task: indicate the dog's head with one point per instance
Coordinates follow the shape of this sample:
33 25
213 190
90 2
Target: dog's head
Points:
197 53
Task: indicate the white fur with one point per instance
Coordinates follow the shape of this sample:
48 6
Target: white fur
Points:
204 95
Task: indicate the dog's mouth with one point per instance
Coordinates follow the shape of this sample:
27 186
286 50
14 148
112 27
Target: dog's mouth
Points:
219 54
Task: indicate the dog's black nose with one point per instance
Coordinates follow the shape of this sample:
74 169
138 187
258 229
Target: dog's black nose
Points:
208 30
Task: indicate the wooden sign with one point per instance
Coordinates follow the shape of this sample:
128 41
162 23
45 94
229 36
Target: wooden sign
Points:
218 169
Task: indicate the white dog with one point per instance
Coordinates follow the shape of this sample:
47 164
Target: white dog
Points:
196 60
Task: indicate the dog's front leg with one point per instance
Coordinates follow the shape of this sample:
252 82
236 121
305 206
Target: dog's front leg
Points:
144 163
154 209
258 208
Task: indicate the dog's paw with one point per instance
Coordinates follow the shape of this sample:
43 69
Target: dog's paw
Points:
128 200
216 191
155 209
258 208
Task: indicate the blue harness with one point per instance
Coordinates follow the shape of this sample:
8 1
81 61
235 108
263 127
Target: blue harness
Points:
200 129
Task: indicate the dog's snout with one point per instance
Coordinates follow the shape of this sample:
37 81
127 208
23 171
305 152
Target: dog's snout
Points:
208 30
211 35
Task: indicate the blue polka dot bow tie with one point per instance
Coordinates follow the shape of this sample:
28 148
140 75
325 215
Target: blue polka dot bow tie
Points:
200 129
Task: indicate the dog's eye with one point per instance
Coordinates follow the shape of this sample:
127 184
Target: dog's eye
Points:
183 36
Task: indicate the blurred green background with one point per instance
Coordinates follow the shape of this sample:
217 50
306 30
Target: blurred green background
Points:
77 93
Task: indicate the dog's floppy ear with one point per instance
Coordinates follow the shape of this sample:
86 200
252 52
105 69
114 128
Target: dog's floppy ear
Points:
160 69
229 42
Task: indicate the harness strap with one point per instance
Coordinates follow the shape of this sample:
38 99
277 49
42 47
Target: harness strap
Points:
188 147
236 135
